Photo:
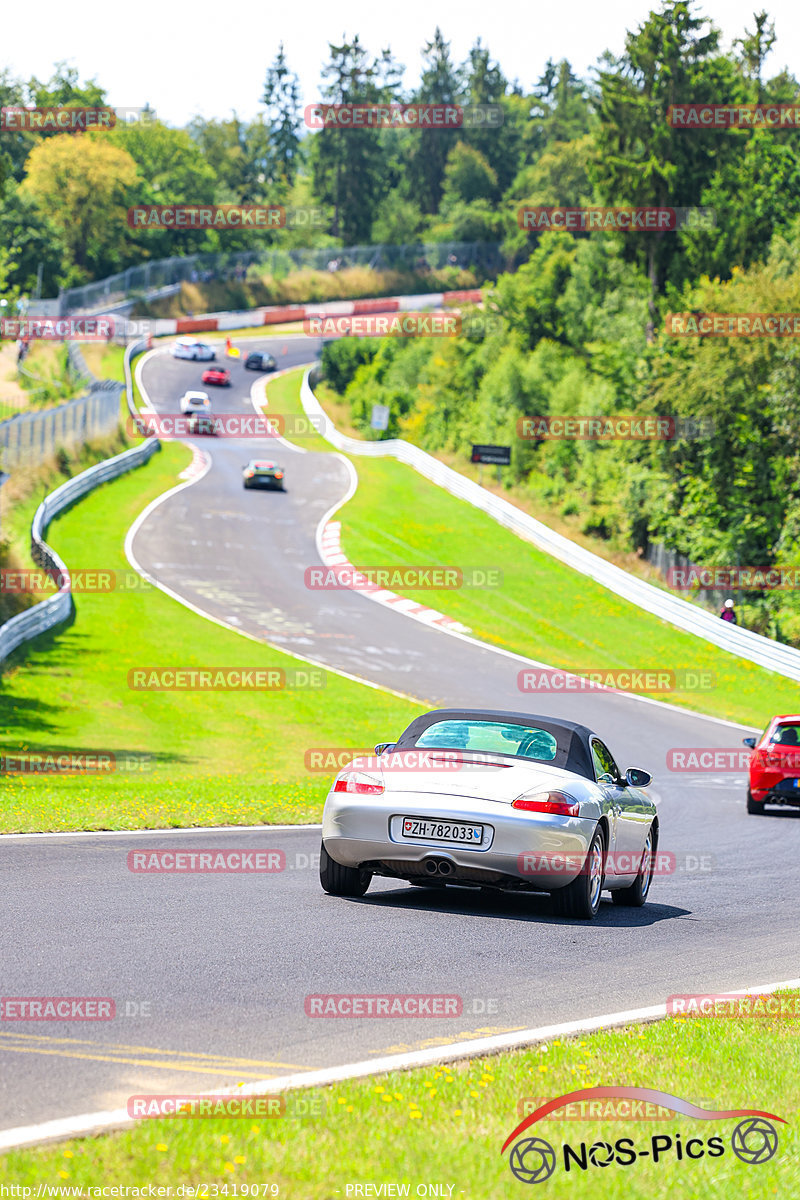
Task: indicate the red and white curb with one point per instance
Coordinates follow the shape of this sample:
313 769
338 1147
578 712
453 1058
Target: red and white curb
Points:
200 463
330 548
281 314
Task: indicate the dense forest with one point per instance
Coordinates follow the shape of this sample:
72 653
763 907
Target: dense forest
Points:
582 314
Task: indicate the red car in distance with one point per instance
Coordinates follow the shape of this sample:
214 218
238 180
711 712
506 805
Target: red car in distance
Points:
217 375
775 765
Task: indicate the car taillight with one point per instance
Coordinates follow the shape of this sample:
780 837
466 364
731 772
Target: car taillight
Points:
279 474
359 783
249 474
557 803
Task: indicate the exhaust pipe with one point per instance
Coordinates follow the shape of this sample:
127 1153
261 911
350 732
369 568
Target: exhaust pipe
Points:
438 866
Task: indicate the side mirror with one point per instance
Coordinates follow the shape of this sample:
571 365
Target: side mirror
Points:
751 742
636 777
382 747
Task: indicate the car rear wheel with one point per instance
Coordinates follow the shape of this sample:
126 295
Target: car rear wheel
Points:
581 898
341 881
754 807
635 895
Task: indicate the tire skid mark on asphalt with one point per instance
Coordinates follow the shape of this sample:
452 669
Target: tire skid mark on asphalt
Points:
184 1061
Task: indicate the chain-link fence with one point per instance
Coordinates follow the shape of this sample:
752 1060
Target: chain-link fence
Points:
485 257
31 437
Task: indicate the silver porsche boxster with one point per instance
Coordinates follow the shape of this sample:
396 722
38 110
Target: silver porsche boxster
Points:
493 800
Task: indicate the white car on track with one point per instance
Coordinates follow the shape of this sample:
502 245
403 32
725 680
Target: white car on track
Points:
499 800
195 402
191 348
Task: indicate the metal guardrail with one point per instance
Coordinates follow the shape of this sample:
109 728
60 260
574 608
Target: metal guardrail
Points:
131 351
744 643
58 607
165 272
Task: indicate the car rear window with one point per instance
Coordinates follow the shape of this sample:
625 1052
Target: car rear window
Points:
786 735
494 737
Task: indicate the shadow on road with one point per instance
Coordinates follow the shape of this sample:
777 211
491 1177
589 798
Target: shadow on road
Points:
454 901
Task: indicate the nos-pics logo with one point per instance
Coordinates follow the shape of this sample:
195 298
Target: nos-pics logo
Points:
754 1140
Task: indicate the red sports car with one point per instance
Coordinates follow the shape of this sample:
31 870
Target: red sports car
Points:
775 765
217 375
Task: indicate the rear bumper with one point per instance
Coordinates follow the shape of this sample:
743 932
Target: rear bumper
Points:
524 850
275 484
776 794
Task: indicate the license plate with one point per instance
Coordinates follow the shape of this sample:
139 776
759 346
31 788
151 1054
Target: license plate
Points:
456 832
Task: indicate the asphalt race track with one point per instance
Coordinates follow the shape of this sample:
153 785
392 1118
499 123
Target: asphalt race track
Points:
223 963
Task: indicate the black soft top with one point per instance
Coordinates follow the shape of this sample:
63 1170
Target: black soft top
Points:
573 749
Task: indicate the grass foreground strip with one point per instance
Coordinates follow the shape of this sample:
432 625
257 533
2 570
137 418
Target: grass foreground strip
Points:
445 1125
531 603
182 757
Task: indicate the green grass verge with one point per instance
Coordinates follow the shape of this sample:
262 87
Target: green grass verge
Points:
213 757
445 1125
543 609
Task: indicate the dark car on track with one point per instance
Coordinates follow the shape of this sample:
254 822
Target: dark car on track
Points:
201 423
775 765
218 376
259 360
260 473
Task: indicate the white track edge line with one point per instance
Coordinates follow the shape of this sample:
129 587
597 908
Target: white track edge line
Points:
486 645
158 831
131 557
91 1123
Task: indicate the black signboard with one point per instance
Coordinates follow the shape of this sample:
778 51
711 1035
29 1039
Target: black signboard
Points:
499 456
